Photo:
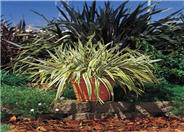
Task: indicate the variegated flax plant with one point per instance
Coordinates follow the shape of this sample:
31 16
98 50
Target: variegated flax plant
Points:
129 68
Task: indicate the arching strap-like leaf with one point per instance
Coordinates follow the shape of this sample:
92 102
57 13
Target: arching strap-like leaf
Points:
97 91
108 86
60 87
88 85
62 13
41 15
110 74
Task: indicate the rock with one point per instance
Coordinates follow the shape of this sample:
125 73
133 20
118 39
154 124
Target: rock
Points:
71 107
81 116
154 107
127 115
90 116
110 106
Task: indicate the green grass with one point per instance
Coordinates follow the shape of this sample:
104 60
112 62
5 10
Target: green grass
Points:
24 100
178 98
5 127
13 79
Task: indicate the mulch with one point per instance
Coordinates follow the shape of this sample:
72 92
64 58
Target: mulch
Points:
143 124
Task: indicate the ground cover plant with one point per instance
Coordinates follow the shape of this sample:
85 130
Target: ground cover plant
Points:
160 92
5 127
20 100
24 101
13 79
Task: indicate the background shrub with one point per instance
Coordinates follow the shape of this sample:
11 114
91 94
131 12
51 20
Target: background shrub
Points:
110 25
13 38
121 25
171 67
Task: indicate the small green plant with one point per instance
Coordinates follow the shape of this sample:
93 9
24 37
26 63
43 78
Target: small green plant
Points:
26 101
179 108
69 93
177 98
13 79
5 127
130 68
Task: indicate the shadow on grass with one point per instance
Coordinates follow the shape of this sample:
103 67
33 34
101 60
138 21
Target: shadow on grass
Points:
151 93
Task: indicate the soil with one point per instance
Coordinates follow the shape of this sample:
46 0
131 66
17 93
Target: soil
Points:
143 124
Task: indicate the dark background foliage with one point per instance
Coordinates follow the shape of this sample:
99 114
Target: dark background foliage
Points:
13 38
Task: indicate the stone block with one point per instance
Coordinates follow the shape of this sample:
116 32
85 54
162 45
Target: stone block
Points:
154 107
81 116
110 107
90 116
72 106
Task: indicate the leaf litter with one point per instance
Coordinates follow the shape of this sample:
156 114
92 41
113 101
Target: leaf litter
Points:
149 123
